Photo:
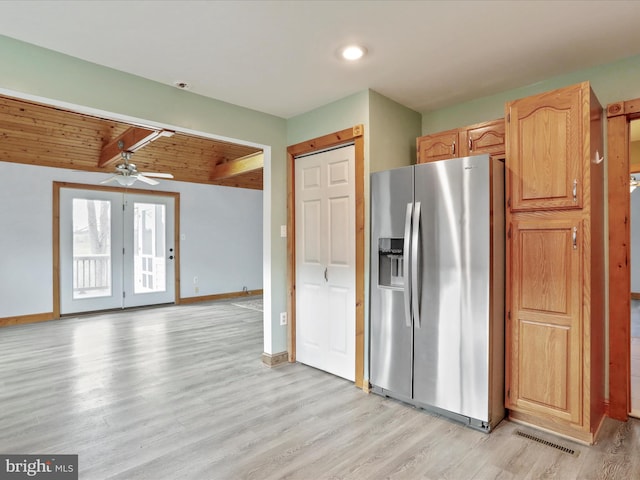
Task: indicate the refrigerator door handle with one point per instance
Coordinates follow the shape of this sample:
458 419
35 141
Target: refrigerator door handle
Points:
416 275
407 265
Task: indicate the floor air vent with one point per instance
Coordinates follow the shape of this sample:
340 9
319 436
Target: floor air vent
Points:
562 448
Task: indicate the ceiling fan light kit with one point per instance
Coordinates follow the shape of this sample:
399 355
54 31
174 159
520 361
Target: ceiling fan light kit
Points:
127 173
125 181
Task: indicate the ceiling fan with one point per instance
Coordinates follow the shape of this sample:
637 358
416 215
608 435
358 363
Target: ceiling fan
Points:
126 173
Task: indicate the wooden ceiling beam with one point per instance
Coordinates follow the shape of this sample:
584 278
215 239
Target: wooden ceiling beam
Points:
242 165
131 140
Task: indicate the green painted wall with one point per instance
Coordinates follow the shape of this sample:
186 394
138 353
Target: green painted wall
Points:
34 72
394 129
611 83
343 113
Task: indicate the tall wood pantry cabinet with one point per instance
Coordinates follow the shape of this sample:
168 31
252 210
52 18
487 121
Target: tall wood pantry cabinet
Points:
555 262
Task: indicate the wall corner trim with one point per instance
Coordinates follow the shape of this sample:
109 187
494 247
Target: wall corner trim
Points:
275 359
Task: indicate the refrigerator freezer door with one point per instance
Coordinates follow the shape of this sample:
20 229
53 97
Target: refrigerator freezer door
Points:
451 343
390 352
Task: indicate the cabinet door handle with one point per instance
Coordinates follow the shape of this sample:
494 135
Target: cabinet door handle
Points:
574 238
470 145
326 276
575 190
453 148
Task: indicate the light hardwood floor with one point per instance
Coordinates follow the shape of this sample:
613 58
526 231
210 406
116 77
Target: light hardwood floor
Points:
180 393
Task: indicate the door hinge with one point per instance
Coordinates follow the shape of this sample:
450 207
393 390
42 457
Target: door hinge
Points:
509 393
122 250
509 202
124 294
509 315
509 232
509 117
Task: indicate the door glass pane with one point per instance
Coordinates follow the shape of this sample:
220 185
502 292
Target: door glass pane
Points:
91 248
149 227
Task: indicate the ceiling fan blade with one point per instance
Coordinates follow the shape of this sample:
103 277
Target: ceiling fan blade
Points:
157 175
144 179
110 179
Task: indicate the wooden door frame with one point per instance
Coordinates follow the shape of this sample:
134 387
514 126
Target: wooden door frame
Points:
56 232
355 135
618 117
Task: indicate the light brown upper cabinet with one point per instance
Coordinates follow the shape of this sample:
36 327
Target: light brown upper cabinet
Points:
486 137
545 149
438 146
554 340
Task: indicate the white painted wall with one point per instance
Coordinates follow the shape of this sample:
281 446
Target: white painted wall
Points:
222 225
223 245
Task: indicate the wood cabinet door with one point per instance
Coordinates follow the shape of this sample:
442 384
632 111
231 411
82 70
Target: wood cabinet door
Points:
487 137
544 334
545 150
439 146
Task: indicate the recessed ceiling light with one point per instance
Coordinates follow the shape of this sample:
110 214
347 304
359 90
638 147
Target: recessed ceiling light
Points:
353 52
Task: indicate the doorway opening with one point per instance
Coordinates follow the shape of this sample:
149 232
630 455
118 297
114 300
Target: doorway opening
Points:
620 115
634 171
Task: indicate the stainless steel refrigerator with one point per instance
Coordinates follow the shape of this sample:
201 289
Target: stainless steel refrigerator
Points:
437 288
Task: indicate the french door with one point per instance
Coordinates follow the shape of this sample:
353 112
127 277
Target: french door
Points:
116 250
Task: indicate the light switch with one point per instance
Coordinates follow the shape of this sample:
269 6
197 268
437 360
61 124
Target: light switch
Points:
283 231
183 236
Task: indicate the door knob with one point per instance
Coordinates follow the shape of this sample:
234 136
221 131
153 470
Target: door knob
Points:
170 257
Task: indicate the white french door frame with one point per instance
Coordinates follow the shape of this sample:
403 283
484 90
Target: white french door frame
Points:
57 186
353 135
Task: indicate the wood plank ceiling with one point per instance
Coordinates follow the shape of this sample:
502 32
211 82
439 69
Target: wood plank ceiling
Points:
37 134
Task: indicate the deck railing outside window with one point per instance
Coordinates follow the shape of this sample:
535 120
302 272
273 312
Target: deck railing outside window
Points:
91 275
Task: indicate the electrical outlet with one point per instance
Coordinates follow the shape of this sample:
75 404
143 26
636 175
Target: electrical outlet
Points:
283 318
197 289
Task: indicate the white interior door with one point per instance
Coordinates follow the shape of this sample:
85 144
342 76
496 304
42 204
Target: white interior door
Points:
116 250
325 261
